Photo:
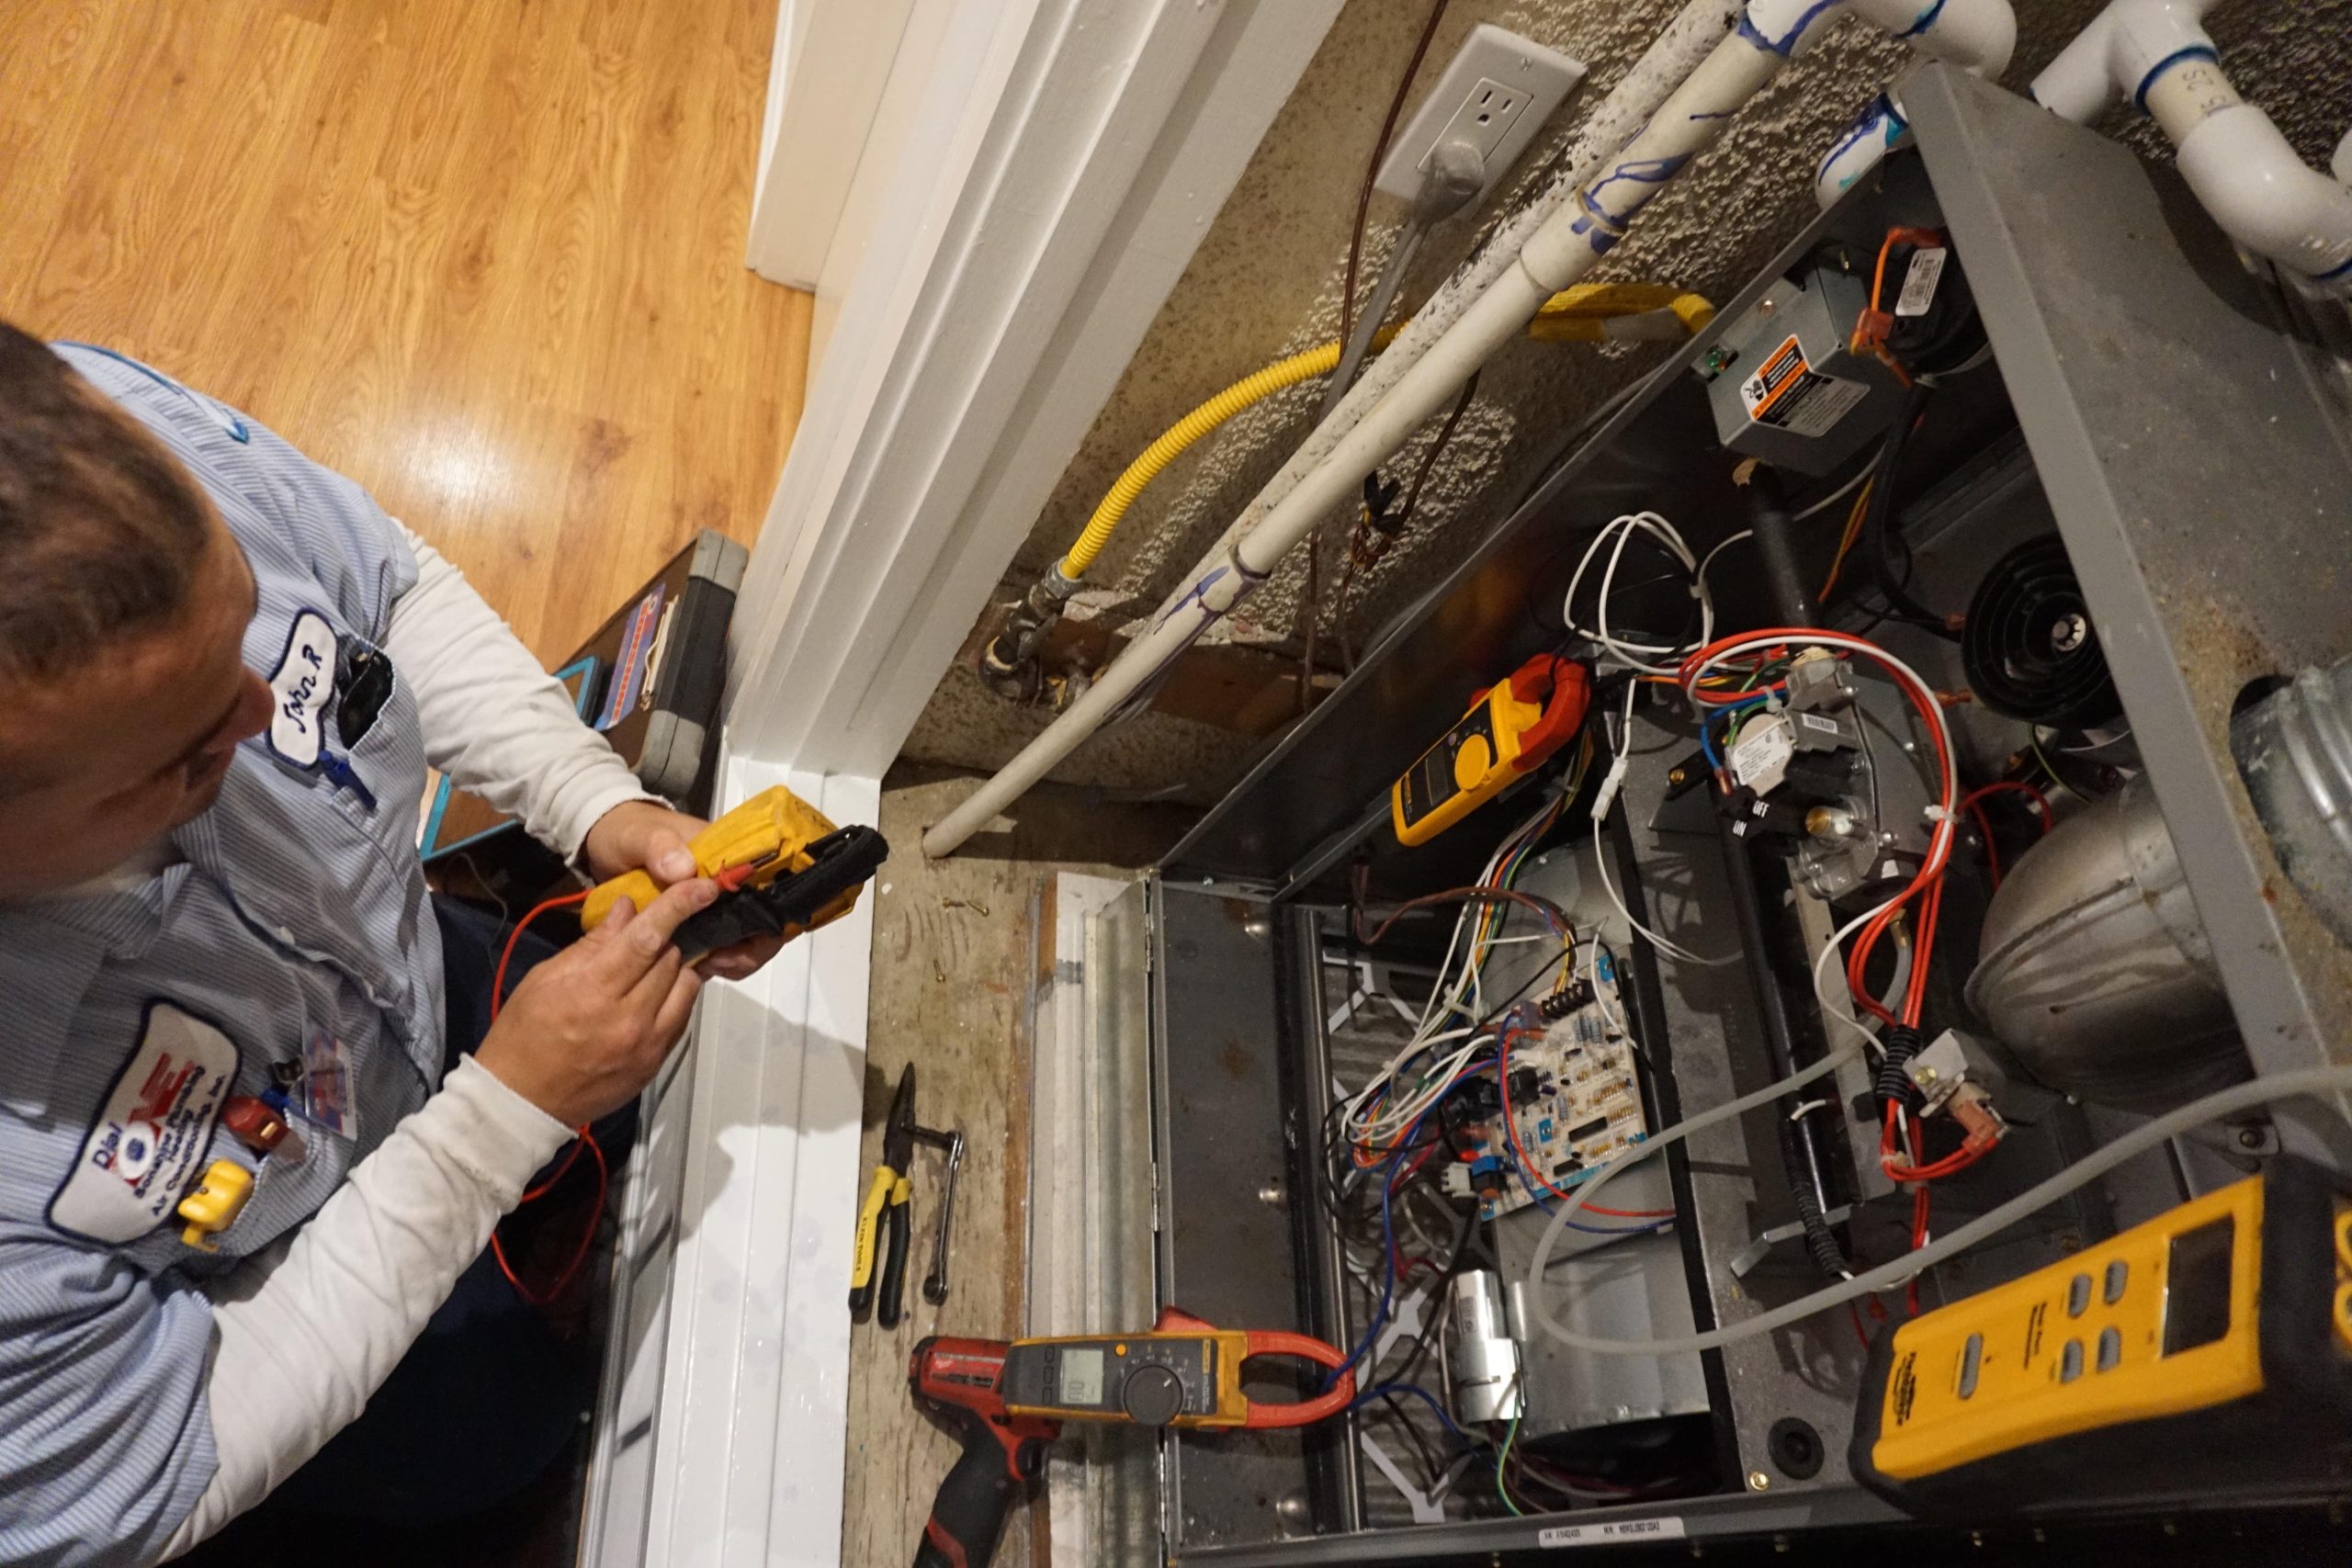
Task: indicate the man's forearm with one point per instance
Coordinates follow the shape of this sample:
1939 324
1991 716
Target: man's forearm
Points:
493 718
305 1333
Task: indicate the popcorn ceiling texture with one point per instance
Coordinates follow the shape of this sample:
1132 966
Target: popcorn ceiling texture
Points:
1265 282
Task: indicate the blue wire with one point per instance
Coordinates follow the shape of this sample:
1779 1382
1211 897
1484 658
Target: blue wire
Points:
1418 1392
1707 725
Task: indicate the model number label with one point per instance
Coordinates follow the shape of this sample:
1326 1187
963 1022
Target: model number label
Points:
1612 1533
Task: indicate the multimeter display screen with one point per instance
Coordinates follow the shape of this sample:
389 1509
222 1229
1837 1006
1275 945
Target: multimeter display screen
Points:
1432 781
1082 1379
2197 1270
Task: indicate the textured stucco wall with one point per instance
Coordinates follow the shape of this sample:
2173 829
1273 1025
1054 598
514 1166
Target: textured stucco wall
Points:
1266 280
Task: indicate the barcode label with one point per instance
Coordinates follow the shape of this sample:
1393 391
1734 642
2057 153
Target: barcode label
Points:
1612 1533
1919 283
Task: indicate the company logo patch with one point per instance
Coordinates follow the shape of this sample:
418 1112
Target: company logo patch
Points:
302 687
149 1139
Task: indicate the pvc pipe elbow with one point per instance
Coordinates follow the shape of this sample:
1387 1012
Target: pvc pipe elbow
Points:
1880 129
1978 35
2123 50
2266 197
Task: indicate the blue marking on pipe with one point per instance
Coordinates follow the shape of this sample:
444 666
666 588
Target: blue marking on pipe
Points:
1718 114
1787 45
1650 172
1927 19
2194 51
2344 271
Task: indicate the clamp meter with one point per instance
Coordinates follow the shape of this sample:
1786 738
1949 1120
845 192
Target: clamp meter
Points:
1510 730
1007 1400
782 867
2213 1336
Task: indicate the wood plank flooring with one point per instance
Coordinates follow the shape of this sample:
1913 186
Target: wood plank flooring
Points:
486 259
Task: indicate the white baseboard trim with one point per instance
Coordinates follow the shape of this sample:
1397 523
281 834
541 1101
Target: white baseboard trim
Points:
724 1417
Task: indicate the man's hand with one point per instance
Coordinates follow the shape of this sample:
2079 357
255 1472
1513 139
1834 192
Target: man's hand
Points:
638 835
586 1031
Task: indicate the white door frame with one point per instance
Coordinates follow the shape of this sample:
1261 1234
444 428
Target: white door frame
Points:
1062 162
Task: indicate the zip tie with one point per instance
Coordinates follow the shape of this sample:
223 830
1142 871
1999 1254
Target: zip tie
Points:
1807 1108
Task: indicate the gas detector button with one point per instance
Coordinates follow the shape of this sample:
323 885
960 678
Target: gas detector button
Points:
2078 1295
2118 1274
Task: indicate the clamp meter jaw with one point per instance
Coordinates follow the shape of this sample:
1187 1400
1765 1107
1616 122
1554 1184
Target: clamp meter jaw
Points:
2212 1341
1510 730
783 869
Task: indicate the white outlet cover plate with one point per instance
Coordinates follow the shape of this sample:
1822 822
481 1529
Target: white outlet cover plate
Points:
1489 59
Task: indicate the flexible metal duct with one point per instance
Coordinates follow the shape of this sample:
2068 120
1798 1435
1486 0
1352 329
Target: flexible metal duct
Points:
2294 749
2095 969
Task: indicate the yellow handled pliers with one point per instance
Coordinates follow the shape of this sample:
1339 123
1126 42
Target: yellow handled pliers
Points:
887 1196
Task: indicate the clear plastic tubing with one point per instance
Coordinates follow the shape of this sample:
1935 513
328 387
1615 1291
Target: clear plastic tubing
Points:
2139 1141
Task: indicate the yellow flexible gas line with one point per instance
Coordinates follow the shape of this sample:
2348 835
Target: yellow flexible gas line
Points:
1284 373
1574 315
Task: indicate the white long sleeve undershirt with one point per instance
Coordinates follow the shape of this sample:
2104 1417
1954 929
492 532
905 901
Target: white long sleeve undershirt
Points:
493 719
307 1330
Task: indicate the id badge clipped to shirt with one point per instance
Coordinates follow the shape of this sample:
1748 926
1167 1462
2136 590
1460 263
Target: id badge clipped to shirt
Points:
322 1096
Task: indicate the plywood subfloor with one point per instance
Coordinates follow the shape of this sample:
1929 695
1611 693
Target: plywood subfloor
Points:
486 259
955 944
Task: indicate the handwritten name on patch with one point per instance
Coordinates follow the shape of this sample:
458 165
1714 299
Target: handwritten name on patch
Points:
304 685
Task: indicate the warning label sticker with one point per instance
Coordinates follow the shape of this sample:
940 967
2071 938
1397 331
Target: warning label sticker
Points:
1787 393
1612 1533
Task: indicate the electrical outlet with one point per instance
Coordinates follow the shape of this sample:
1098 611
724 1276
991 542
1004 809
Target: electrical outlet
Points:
1496 93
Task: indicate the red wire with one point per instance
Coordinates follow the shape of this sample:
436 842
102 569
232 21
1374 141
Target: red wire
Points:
1510 1125
582 1138
1972 803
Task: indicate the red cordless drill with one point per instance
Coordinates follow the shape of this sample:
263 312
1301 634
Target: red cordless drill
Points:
1007 1399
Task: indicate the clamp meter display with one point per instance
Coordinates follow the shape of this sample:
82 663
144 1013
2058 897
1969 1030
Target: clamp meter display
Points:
2217 1334
1510 731
1152 1380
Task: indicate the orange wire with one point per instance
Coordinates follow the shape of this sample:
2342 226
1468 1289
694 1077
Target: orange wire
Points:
582 1138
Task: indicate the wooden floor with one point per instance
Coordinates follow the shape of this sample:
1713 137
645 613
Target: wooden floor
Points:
955 947
485 258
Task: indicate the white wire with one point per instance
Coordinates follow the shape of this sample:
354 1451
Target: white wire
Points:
1466 994
1842 492
1709 560
1617 532
1620 745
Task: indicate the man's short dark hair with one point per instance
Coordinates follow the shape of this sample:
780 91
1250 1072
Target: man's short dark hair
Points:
101 532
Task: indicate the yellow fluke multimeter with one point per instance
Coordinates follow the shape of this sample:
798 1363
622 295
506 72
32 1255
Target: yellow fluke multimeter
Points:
1511 729
2217 1334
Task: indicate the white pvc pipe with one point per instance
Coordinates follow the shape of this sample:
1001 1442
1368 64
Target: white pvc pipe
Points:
1677 51
1567 247
1880 129
2245 173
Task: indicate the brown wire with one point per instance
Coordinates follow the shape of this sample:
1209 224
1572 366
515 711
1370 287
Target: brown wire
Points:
1314 595
1372 169
1542 906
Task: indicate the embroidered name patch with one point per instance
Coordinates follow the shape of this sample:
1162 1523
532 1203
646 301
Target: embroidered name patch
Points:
302 686
149 1142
